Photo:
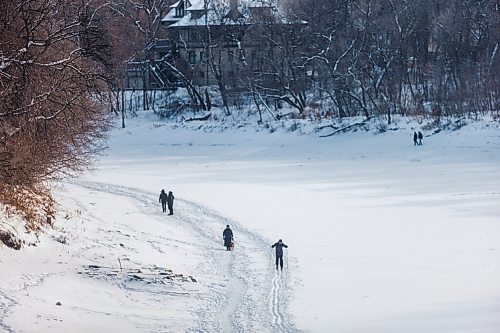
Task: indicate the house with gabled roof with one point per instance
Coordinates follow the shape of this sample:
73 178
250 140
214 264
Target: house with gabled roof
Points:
216 40
198 28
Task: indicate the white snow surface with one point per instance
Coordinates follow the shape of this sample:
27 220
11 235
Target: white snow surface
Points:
383 236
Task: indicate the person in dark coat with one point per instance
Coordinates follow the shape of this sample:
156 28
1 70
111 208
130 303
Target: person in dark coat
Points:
420 137
163 199
415 137
227 235
279 245
170 203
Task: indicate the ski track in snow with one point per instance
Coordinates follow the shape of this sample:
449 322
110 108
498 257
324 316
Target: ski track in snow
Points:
6 303
248 285
274 303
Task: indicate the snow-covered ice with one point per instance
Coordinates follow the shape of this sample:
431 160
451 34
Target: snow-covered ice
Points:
383 236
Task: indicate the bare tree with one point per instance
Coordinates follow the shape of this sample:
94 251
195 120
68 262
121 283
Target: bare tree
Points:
145 16
54 68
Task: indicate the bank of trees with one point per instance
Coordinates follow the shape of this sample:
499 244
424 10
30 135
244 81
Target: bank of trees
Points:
368 57
55 71
402 57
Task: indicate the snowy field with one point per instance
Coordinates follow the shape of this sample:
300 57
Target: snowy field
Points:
383 236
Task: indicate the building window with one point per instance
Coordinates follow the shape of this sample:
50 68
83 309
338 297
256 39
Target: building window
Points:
230 56
202 56
185 35
202 74
192 57
179 11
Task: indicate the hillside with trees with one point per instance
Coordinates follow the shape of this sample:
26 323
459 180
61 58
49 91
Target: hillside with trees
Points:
55 70
63 71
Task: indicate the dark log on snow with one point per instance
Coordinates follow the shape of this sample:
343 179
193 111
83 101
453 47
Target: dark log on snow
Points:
345 128
281 116
205 117
327 126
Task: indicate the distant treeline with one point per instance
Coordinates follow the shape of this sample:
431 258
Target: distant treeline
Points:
352 57
398 56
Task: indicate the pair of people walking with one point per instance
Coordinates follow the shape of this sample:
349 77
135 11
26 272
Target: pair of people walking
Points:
167 200
417 138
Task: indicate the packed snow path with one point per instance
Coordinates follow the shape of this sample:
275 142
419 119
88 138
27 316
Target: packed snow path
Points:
251 298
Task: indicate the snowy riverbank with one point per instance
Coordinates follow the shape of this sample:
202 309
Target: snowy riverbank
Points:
383 236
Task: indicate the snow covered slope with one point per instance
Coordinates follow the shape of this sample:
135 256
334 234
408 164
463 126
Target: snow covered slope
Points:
383 236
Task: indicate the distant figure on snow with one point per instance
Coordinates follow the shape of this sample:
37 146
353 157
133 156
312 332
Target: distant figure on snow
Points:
415 137
163 199
227 235
279 245
170 202
420 137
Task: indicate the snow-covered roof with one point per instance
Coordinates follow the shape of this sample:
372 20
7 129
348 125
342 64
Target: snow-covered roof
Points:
216 10
171 15
176 4
197 5
260 3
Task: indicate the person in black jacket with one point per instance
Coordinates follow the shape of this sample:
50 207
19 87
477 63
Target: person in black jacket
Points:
279 245
420 137
163 199
170 203
415 137
227 235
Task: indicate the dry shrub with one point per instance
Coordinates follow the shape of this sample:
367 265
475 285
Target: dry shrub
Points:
33 203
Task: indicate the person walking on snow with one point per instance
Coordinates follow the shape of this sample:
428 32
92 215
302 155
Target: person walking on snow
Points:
279 245
170 203
227 235
420 137
163 199
415 137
